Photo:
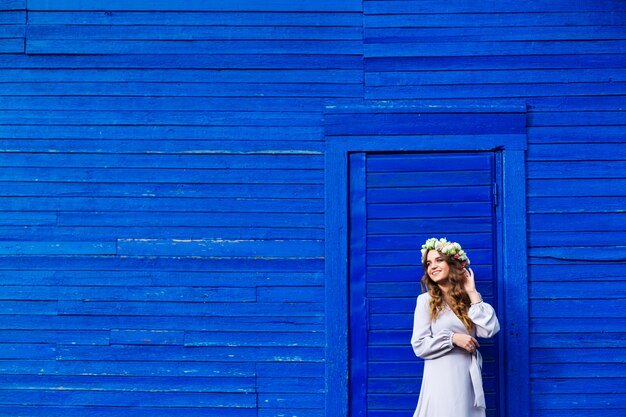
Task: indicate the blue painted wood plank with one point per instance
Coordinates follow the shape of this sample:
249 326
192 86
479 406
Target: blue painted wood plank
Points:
185 32
493 91
451 225
293 384
52 233
609 187
595 370
197 5
27 351
188 309
104 322
170 134
424 124
582 253
258 264
164 19
551 386
562 173
162 191
173 147
13 5
575 272
306 339
12 31
389 33
575 324
582 356
36 307
580 340
27 366
175 219
459 6
417 194
336 176
575 222
78 411
331 76
12 46
583 204
425 210
199 353
577 152
487 48
321 61
418 78
270 47
573 287
190 89
287 369
578 308
220 247
574 238
291 104
444 179
126 293
51 248
154 368
280 412
479 21
291 401
151 203
141 385
36 117
572 118
147 204
145 399
440 63
558 103
222 281
358 302
59 337
590 401
302 293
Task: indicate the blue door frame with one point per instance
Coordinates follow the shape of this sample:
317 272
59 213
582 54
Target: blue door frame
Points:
373 128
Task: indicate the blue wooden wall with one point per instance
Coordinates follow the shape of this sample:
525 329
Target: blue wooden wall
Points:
161 191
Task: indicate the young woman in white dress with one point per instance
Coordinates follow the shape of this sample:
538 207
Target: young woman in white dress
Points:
448 318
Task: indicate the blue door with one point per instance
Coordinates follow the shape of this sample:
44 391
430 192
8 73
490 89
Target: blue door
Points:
397 201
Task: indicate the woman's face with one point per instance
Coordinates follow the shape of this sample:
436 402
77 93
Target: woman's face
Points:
436 266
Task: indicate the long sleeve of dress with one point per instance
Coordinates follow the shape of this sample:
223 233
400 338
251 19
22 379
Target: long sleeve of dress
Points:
425 344
484 317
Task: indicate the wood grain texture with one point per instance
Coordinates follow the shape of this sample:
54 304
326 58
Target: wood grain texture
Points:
123 182
168 214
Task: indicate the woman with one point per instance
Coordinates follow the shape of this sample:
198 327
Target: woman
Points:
448 318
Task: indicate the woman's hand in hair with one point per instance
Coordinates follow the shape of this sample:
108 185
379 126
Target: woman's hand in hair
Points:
470 287
465 341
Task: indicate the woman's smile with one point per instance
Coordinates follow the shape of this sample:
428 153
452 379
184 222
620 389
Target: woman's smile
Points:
438 268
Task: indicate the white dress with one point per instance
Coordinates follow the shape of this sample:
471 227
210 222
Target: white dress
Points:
452 382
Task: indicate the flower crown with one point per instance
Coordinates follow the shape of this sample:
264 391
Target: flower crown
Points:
451 249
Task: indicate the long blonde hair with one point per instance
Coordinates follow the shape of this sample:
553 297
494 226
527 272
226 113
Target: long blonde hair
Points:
460 300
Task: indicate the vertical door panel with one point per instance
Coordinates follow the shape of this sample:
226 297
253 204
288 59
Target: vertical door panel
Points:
397 201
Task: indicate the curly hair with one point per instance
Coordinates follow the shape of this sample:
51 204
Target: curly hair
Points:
460 300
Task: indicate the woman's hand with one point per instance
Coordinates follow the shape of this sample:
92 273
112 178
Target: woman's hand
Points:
465 341
469 285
